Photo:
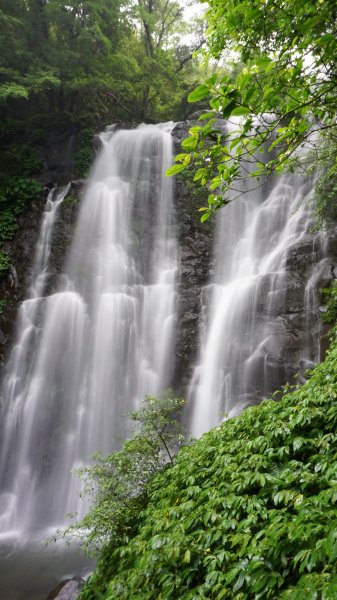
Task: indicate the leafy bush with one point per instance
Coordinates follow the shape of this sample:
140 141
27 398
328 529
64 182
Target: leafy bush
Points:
5 263
22 156
330 297
324 199
246 512
116 484
21 190
15 195
8 225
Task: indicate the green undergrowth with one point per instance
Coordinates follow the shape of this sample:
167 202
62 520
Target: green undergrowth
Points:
248 511
329 295
19 165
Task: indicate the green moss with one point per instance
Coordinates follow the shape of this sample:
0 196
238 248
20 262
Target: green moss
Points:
249 511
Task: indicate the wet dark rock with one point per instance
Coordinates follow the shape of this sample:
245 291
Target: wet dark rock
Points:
326 276
302 252
331 246
196 244
67 590
57 156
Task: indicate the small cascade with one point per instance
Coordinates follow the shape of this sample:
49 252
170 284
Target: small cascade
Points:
14 384
244 335
102 341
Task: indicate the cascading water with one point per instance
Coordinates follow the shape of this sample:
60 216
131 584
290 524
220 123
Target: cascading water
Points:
102 342
243 333
27 321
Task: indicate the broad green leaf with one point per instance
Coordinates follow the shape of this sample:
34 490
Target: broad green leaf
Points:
201 92
227 110
175 169
208 115
190 143
205 216
187 556
240 111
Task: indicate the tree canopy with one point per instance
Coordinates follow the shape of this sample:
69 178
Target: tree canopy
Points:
280 95
104 58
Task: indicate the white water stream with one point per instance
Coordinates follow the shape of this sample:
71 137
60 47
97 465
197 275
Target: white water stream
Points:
244 336
89 353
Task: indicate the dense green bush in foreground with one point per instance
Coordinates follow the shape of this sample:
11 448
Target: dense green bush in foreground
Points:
248 511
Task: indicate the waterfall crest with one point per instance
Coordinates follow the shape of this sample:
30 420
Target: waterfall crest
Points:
103 340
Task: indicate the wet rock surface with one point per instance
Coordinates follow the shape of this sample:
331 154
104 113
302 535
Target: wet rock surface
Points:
67 590
196 257
57 153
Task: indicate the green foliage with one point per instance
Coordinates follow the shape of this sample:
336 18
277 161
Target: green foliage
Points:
14 198
96 60
8 225
19 191
85 152
16 192
195 194
5 263
247 512
15 195
329 296
22 154
116 485
325 208
280 97
2 302
325 200
71 200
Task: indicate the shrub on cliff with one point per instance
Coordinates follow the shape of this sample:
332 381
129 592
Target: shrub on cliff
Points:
116 484
248 511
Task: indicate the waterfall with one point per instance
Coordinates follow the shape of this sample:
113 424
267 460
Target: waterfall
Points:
93 349
244 335
88 353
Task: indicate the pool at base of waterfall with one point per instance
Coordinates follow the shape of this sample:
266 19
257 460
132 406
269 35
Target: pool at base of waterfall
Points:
30 570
